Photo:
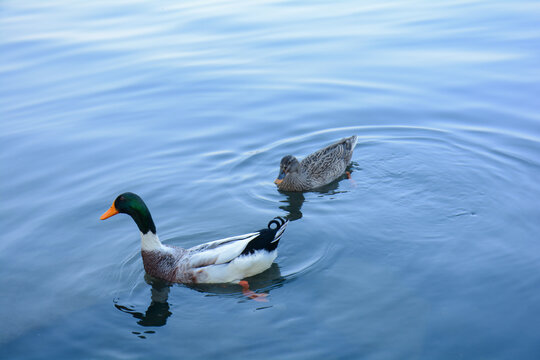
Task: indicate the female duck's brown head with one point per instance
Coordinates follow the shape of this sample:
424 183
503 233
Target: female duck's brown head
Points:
131 204
289 165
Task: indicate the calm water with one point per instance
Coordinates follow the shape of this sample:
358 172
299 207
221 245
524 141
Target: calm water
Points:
431 251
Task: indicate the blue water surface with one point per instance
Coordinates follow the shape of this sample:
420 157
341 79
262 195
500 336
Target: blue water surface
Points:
429 251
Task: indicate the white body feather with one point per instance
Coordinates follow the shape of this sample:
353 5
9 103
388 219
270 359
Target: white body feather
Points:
239 268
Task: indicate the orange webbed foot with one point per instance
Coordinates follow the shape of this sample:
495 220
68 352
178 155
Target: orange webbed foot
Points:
348 174
250 294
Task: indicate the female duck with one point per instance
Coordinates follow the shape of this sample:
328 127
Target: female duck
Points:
318 169
219 261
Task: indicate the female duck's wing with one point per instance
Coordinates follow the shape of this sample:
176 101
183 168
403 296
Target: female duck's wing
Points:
225 250
335 155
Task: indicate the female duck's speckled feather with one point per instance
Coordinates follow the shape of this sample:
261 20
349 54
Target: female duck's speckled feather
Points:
219 261
317 169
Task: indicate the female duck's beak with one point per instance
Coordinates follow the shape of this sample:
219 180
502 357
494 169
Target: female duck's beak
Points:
280 177
111 212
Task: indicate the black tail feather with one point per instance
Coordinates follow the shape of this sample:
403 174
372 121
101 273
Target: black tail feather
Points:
278 221
268 239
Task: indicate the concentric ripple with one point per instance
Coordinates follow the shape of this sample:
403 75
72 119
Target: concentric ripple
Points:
405 172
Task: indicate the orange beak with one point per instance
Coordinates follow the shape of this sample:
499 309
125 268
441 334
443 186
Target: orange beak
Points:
111 212
280 177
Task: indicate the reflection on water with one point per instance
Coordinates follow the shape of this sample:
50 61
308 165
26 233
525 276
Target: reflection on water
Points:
292 204
294 201
159 309
157 312
265 281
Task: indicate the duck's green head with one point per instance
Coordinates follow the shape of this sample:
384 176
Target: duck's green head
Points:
289 164
132 204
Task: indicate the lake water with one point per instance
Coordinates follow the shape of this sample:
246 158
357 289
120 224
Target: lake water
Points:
430 251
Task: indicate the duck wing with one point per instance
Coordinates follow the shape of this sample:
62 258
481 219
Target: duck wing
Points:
333 158
225 250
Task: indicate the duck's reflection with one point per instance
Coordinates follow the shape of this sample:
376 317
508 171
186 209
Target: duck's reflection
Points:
267 281
292 204
158 311
294 201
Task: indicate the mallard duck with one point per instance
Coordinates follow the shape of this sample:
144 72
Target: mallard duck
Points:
315 170
220 261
